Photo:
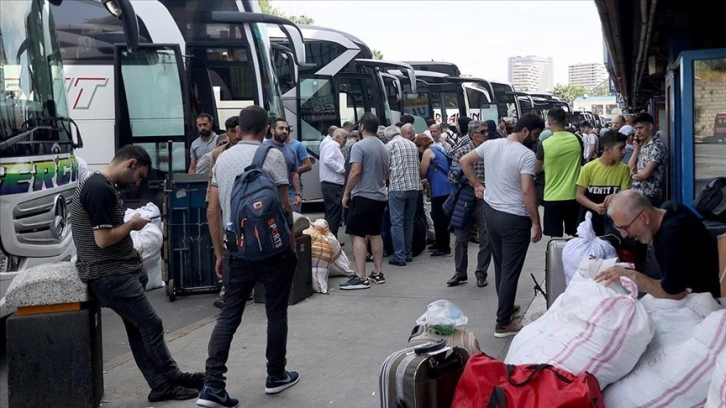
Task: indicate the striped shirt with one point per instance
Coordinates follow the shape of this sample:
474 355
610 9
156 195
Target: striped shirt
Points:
97 205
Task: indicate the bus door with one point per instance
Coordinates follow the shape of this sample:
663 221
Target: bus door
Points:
151 109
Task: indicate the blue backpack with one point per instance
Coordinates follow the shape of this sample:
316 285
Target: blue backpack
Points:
258 218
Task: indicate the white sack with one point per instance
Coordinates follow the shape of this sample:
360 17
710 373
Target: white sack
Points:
590 327
585 245
674 375
147 211
717 391
148 242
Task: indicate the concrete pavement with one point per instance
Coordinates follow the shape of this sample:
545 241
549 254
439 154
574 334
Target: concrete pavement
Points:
336 341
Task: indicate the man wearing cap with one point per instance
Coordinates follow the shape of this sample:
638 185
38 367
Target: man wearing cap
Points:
629 132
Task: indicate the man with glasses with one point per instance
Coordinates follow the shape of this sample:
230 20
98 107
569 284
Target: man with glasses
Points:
685 251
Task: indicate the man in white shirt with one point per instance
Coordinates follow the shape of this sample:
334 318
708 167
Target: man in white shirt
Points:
332 177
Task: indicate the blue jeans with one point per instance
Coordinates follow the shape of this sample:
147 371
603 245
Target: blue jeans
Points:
402 207
124 294
239 279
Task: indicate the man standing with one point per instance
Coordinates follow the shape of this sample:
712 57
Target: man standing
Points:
205 143
367 186
478 134
332 177
686 252
240 276
304 164
403 190
648 162
562 154
112 268
408 131
280 134
510 205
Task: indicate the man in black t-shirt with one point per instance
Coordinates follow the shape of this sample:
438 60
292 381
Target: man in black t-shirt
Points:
684 249
111 266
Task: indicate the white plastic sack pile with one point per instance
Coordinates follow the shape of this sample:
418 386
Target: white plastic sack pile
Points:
717 391
674 375
148 242
328 257
585 245
590 327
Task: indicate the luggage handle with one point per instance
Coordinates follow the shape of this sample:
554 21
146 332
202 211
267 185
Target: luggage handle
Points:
497 399
536 368
429 347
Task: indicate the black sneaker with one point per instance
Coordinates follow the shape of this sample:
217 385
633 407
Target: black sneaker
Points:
377 277
170 391
216 398
276 385
191 380
355 283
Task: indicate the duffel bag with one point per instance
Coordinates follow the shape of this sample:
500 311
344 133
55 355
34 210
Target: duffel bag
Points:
488 382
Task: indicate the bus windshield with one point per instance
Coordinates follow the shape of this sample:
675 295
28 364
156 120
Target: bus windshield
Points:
270 84
33 109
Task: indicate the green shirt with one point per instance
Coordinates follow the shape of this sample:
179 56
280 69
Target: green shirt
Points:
562 155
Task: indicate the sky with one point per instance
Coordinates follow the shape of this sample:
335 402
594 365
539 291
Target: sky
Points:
478 36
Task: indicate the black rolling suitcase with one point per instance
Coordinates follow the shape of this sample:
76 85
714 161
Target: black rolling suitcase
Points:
423 376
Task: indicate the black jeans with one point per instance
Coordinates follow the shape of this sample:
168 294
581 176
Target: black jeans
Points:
441 225
509 237
124 294
333 199
239 279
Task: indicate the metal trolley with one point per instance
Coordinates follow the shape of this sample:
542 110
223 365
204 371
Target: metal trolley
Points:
188 252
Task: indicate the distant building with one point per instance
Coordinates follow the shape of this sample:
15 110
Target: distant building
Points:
587 75
605 106
525 77
543 66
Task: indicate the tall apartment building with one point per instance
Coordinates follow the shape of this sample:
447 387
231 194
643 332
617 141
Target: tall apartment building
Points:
545 72
587 75
525 77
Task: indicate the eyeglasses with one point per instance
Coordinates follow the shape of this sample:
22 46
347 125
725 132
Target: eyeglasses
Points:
625 228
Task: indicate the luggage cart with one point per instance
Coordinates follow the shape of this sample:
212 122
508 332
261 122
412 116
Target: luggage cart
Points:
188 251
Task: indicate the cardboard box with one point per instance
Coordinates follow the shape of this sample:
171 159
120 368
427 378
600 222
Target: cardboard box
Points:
722 262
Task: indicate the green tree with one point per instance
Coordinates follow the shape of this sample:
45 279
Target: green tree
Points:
569 93
377 54
267 8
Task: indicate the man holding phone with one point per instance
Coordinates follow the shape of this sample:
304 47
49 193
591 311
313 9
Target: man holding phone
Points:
648 162
112 268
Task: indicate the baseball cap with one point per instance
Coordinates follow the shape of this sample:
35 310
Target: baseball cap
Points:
627 130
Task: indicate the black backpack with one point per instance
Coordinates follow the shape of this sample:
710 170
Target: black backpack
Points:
711 201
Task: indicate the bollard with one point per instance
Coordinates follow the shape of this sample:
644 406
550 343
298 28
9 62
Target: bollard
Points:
54 341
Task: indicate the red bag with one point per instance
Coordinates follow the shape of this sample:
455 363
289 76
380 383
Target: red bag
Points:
491 383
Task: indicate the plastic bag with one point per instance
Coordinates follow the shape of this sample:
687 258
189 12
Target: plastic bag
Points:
586 244
443 316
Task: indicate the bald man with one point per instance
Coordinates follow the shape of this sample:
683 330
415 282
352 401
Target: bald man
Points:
684 249
408 131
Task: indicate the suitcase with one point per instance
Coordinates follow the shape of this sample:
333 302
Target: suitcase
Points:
554 271
423 376
461 338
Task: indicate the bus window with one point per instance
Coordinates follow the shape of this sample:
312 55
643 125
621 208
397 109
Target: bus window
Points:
159 113
709 121
317 111
233 80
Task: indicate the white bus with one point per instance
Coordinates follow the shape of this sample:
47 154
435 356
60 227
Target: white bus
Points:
38 169
338 83
196 56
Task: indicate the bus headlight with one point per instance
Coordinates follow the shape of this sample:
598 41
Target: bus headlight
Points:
9 263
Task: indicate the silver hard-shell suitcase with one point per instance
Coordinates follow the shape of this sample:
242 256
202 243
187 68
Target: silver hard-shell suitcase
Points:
554 270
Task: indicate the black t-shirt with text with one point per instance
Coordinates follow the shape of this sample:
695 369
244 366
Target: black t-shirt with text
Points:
686 252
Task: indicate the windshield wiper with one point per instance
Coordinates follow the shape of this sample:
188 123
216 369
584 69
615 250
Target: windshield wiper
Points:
12 141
